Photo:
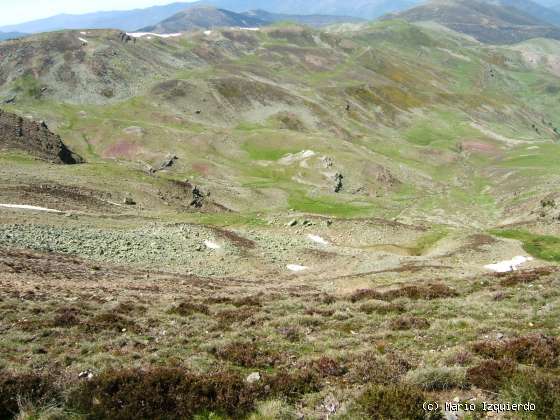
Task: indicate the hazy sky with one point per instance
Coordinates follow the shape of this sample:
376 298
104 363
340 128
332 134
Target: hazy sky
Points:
18 11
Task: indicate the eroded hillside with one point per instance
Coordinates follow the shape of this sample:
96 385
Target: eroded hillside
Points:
280 223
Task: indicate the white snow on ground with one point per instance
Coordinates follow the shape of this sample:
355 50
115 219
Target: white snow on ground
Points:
211 245
298 157
85 41
207 33
296 268
250 29
26 207
83 33
142 34
506 266
318 239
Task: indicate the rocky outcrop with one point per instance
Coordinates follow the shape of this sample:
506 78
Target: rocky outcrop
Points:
35 138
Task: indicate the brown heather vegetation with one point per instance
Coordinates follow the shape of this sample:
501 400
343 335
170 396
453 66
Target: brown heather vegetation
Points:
535 349
491 374
249 355
427 292
188 308
153 355
398 401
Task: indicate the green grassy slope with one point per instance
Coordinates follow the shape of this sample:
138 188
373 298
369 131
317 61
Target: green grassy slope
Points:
421 123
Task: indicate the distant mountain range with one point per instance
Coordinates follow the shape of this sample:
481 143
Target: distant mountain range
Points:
127 20
206 17
203 18
546 12
11 35
494 22
533 9
131 20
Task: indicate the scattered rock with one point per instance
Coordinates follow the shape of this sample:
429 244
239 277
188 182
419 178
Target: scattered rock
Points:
293 223
129 201
330 404
133 130
10 100
328 162
86 374
253 377
168 162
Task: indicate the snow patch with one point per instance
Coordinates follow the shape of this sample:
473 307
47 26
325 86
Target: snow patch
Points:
212 245
83 33
510 265
150 34
250 29
85 41
318 239
26 207
297 157
207 33
296 268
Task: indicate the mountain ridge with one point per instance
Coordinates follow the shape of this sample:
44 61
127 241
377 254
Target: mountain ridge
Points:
130 20
203 17
207 17
486 21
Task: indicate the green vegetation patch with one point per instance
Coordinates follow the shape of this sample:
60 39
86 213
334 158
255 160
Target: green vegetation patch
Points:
323 205
28 85
425 242
260 151
539 246
443 128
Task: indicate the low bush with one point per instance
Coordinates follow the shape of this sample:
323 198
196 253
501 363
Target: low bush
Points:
327 367
66 317
228 317
247 301
190 308
399 402
381 308
292 385
522 277
409 323
534 349
368 368
491 374
161 393
437 378
541 389
425 292
249 355
415 292
110 321
30 387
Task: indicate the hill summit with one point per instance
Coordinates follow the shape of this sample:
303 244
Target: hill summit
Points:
491 23
204 18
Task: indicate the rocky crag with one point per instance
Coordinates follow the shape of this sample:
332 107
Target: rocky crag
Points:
35 138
